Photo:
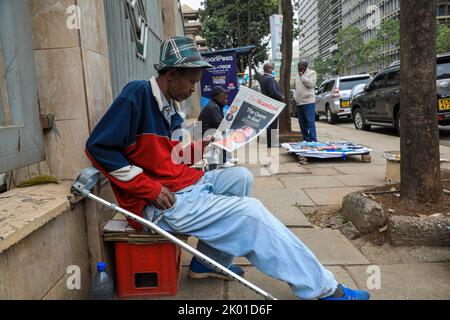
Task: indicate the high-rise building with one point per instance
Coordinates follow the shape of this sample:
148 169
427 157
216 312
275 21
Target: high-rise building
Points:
309 31
367 15
443 12
329 24
193 27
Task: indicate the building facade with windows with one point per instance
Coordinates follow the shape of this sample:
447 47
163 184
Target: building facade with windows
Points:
309 34
62 62
367 15
329 20
443 12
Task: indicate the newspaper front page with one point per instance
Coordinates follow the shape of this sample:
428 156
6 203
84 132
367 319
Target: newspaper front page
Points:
249 115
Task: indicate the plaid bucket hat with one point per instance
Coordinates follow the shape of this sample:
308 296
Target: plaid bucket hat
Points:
180 52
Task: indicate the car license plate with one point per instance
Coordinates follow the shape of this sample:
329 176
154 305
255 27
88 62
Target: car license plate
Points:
346 104
444 104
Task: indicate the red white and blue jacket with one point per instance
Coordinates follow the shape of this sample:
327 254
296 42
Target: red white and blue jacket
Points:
133 148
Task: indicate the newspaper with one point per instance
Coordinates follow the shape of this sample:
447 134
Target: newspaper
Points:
334 149
249 115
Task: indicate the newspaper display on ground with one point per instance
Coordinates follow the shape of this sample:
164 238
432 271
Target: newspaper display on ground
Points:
336 149
249 115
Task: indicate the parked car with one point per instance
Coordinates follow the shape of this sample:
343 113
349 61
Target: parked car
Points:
379 103
293 104
357 90
333 96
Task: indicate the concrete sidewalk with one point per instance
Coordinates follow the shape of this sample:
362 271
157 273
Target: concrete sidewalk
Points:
406 273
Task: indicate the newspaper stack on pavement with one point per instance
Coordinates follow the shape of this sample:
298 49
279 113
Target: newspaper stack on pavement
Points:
249 115
337 149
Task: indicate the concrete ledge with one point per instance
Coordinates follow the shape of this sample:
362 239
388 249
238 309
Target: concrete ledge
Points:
365 214
368 216
24 210
423 231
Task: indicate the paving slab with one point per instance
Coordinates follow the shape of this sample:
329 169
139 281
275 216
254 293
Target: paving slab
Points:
331 247
259 171
267 183
323 171
303 182
199 289
277 288
280 168
342 276
282 203
271 170
356 180
289 215
292 197
365 170
336 162
425 281
330 196
295 167
387 254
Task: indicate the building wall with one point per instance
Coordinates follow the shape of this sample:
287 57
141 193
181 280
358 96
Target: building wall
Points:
172 18
309 39
329 24
125 65
355 13
443 12
78 73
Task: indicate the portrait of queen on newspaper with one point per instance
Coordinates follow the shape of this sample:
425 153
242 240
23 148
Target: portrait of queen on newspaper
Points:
238 137
250 114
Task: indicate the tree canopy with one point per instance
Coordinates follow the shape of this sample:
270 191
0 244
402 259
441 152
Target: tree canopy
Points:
354 52
236 23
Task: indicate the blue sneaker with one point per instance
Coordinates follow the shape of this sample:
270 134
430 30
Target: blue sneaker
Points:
199 271
350 294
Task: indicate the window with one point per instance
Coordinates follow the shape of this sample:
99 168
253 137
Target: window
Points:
135 10
441 11
322 87
377 82
443 70
393 79
329 86
20 131
349 84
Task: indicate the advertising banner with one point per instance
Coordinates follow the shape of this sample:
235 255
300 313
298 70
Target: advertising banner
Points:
223 74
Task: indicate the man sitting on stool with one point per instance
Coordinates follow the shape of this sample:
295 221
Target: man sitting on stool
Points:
212 115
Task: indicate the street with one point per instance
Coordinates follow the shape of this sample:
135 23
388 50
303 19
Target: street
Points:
444 131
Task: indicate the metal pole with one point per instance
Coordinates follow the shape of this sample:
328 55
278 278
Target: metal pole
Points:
215 265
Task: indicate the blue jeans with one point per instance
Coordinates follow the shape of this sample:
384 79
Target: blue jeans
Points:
229 223
307 119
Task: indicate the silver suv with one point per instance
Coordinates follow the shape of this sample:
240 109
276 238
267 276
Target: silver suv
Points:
333 96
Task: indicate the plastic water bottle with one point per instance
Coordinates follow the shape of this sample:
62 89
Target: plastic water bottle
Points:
102 286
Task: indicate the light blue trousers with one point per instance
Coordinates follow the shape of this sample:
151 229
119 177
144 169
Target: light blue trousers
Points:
229 223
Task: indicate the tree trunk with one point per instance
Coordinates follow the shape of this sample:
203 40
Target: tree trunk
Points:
286 61
249 61
420 157
250 80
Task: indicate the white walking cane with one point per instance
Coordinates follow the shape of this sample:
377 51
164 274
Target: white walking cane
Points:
89 177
